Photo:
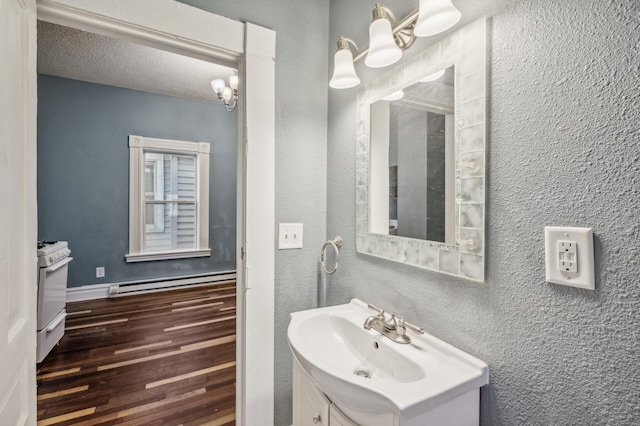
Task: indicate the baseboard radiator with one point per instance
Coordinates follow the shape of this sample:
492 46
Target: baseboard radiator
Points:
100 291
146 286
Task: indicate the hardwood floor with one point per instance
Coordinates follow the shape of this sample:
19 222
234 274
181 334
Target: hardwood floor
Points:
161 358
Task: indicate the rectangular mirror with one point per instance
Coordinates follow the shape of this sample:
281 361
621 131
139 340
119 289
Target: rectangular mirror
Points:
412 135
420 158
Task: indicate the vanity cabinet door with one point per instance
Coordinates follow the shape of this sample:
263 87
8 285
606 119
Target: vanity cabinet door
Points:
310 406
337 418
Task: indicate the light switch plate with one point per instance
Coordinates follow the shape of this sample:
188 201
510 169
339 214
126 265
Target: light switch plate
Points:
289 236
569 256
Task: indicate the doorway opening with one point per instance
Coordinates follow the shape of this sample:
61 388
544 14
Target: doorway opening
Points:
178 28
94 91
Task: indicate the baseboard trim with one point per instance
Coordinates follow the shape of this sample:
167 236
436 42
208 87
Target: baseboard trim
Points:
87 292
103 291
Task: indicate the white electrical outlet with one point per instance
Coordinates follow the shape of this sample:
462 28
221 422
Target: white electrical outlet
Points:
569 256
289 236
100 272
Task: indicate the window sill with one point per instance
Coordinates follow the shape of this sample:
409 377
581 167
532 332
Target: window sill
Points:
166 255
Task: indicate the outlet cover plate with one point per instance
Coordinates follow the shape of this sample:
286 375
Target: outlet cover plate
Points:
584 275
100 272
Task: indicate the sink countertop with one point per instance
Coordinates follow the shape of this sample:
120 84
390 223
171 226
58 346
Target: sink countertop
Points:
409 379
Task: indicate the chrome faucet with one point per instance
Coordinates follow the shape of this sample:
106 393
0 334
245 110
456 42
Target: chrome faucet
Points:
394 328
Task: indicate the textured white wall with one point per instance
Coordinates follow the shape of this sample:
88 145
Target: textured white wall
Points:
301 155
564 149
564 104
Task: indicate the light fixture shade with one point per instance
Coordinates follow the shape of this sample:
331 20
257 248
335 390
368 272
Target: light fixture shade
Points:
218 86
432 77
227 93
344 73
399 94
233 81
383 50
435 16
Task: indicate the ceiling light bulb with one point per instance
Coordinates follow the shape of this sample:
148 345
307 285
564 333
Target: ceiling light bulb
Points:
218 86
344 73
435 16
233 82
383 50
432 77
394 96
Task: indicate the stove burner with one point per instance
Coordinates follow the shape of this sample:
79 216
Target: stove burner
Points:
42 244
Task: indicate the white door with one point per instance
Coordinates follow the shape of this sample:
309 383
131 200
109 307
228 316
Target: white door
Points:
18 222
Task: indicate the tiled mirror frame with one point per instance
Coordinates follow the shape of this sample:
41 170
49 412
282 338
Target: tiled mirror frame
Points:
466 49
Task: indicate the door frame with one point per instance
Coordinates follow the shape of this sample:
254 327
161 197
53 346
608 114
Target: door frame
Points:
250 48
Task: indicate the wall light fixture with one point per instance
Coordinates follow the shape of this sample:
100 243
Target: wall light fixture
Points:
344 74
227 95
383 50
388 38
435 16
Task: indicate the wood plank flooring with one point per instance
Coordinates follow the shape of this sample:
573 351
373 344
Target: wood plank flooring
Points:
161 358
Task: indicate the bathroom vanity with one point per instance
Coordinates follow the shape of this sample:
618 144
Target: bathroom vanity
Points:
344 374
420 201
310 405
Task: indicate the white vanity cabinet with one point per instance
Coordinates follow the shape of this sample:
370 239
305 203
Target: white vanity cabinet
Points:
310 406
426 383
337 418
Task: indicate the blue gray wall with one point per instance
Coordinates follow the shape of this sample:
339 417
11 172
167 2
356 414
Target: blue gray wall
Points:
564 149
83 174
301 72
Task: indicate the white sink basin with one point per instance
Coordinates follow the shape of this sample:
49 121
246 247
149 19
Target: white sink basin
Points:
405 380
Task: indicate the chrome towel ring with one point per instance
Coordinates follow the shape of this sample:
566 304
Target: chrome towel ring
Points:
336 243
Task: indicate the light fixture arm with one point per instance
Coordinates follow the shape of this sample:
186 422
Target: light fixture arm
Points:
232 104
381 12
343 43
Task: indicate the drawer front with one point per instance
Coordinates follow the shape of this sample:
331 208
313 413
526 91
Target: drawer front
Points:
52 292
50 335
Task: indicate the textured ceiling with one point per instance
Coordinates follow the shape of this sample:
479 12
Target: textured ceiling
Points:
79 55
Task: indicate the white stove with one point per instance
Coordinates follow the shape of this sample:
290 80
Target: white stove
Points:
53 261
50 252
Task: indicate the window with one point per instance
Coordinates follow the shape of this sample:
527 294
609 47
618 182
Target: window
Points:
154 190
168 199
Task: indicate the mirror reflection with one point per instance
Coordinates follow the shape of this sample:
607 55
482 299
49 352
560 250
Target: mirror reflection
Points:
412 161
